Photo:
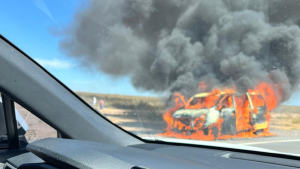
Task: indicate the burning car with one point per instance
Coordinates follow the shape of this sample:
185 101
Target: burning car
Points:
223 113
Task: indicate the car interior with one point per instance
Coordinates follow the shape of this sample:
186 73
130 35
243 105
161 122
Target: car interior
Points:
87 139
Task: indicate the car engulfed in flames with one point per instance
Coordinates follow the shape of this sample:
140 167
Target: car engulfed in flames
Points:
199 115
222 114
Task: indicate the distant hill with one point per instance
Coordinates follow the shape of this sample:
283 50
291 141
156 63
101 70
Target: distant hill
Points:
287 109
133 102
124 101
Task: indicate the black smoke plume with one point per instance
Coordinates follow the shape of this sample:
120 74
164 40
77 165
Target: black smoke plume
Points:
173 45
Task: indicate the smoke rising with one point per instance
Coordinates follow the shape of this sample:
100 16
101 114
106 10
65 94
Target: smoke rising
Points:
174 45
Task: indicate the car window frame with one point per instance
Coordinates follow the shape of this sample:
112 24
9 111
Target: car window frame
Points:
11 123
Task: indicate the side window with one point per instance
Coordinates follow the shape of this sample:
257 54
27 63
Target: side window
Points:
242 106
257 100
241 101
226 102
31 127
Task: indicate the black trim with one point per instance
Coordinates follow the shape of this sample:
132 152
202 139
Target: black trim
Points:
59 135
36 166
11 122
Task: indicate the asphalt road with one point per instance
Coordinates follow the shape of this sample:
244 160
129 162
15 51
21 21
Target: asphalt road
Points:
285 145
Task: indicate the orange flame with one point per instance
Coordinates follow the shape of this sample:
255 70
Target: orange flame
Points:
246 106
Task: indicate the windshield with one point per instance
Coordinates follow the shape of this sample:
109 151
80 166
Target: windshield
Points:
203 102
139 63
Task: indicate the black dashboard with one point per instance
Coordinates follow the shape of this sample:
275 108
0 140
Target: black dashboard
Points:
63 153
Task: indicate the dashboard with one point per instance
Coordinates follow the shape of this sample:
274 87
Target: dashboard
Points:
62 153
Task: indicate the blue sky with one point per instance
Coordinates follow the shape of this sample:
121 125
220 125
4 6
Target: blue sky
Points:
27 24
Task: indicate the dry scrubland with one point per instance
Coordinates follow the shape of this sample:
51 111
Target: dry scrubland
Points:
121 102
286 118
283 117
124 110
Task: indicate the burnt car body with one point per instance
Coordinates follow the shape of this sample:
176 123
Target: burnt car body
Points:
232 108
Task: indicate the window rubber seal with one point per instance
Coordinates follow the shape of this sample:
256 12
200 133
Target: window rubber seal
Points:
11 122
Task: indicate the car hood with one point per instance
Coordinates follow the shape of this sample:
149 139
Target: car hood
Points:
190 113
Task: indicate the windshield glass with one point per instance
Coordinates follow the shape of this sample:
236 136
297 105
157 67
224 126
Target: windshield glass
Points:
203 102
139 63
